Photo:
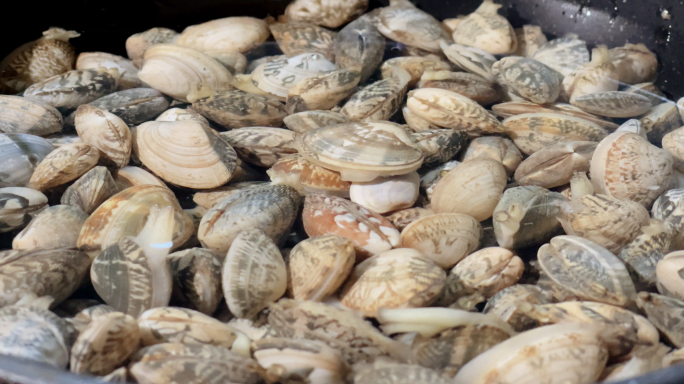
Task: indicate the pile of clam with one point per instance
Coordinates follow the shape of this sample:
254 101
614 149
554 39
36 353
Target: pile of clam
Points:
195 213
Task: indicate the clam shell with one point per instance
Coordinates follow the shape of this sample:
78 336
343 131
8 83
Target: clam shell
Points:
303 122
445 238
20 115
129 176
650 91
287 171
415 66
182 325
673 143
360 47
105 344
587 270
496 148
635 63
378 101
555 165
55 227
73 88
530 38
319 265
134 106
129 72
533 132
506 304
417 123
472 188
316 179
185 153
278 76
450 110
661 120
60 139
321 92
470 85
296 38
328 13
139 43
90 190
666 314
18 206
411 26
628 167
599 75
171 69
513 108
614 104
485 29
564 54
439 146
179 114
84 317
230 34
668 275
272 208
20 153
401 219
370 232
429 178
470 59
196 279
386 194
237 109
361 151
209 198
528 78
63 165
400 278
261 146
234 62
393 373
106 132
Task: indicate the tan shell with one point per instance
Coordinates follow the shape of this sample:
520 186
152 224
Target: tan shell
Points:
278 76
185 153
445 238
130 176
673 142
303 122
564 54
450 110
470 85
234 62
650 91
666 314
18 206
106 343
417 123
73 88
669 280
528 78
411 26
644 252
361 151
321 92
90 190
370 232
172 69
599 75
513 108
486 30
415 66
496 148
236 109
530 38
555 165
439 145
401 219
533 132
63 165
328 13
386 194
55 227
635 63
628 167
106 132
178 114
230 34
208 198
316 179
614 104
287 171
391 372
139 43
319 265
470 59
661 120
295 38
506 305
129 72
20 115
400 278
261 146
379 100
182 325
472 188
244 83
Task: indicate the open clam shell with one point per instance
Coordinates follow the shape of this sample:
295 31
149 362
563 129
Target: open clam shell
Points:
55 227
20 153
20 115
73 88
63 165
359 46
278 76
261 146
230 34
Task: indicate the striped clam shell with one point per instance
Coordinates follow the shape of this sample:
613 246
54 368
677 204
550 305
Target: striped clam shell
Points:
134 106
236 109
379 100
64 164
295 38
196 279
261 146
359 46
20 153
90 190
74 88
55 227
20 115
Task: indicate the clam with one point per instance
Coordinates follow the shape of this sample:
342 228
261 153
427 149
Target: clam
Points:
185 153
253 64
328 13
18 206
445 238
90 190
402 218
105 344
526 216
415 66
209 198
400 278
599 75
106 132
321 92
84 317
234 62
196 276
650 91
179 114
555 165
430 178
261 146
661 120
319 265
361 151
316 179
386 194
125 214
439 145
506 305
54 227
63 165
230 34
470 59
287 171
20 115
278 76
38 60
129 72
360 47
614 104
587 270
130 176
295 38
634 63
495 148
564 54
271 208
235 109
533 132
139 43
666 314
470 85
60 139
528 78
394 373
472 188
626 166
303 122
411 26
450 110
172 69
73 88
329 215
134 106
513 108
667 272
378 101
20 153
530 38
673 143
644 359
417 123
485 29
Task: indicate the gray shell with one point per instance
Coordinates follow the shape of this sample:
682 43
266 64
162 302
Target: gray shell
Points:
303 122
196 279
643 253
61 139
134 106
439 145
614 104
18 206
73 88
20 115
528 78
236 109
20 153
666 313
378 101
261 146
359 46
55 227
91 190
505 305
564 54
393 373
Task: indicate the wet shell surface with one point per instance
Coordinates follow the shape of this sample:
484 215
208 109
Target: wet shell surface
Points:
261 146
196 276
470 85
185 153
272 208
530 38
55 227
400 278
665 313
360 47
470 59
278 76
296 38
401 219
370 232
303 122
129 72
63 165
486 30
614 104
230 34
18 206
139 43
106 132
496 148
90 190
439 145
386 194
564 54
74 88
512 108
20 153
134 106
644 252
635 63
555 165
379 100
411 26
328 13
361 151
322 92
445 238
20 115
236 109
528 78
